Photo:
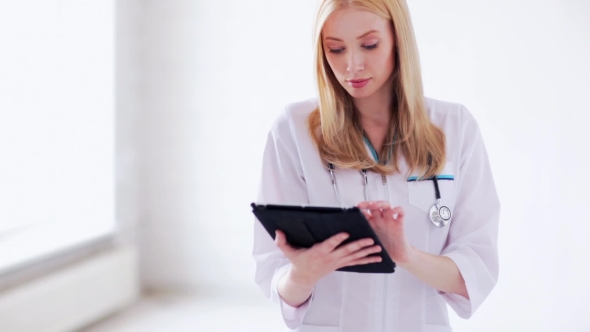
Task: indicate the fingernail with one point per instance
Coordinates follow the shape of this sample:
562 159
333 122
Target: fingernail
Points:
395 215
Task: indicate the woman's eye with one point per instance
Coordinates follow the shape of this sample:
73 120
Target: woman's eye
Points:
336 50
370 47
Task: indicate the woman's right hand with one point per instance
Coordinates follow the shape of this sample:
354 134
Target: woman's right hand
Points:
310 265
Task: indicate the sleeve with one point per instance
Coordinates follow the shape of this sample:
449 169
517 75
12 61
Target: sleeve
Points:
473 235
281 182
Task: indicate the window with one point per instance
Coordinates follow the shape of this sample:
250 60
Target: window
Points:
56 126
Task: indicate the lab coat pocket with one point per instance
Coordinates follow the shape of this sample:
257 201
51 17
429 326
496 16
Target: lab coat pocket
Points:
422 194
318 328
437 328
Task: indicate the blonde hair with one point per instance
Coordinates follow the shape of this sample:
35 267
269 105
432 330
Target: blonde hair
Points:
335 125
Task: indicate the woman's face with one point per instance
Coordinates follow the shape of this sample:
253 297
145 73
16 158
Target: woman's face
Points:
359 47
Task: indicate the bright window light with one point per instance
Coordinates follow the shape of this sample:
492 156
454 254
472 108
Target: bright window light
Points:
56 126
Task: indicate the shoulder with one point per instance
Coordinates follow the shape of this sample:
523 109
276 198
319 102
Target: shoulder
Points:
302 107
461 129
298 112
450 116
293 118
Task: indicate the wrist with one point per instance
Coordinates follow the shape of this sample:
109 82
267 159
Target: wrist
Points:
408 258
293 292
299 280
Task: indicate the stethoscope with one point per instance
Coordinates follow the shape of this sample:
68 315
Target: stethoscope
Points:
439 214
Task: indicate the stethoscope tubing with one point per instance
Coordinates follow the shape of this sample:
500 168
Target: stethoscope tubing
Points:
440 215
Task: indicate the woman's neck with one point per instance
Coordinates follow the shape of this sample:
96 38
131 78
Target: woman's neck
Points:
375 115
373 112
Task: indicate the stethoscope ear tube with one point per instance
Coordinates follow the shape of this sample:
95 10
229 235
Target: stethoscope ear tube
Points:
331 167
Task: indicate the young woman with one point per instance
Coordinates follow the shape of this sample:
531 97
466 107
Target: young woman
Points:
416 166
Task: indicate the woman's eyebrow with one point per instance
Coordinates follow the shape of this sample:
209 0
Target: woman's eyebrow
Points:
359 37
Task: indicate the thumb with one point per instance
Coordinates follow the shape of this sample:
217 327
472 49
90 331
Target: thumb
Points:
284 246
281 241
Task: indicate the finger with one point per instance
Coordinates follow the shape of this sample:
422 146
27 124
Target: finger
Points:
366 213
364 205
365 209
380 205
280 239
364 261
376 214
398 213
331 243
363 253
353 247
373 205
281 242
387 214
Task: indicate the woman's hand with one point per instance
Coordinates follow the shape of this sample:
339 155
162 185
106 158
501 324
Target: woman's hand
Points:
308 266
388 224
439 272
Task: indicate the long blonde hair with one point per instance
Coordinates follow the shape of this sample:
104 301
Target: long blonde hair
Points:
335 125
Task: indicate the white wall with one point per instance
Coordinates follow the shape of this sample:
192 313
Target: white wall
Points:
167 132
129 99
218 72
204 127
522 69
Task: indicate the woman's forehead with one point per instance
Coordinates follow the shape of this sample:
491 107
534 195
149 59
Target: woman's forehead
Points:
352 23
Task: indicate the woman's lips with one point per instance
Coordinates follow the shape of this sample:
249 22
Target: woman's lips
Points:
357 84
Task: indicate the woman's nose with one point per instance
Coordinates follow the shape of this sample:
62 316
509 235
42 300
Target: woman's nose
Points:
355 63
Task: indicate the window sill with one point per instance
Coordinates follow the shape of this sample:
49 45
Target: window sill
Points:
32 251
73 296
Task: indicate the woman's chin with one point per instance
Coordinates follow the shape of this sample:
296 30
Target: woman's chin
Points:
359 93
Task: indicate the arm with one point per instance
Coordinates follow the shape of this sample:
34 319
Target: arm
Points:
473 234
293 290
287 275
467 269
281 181
439 272
308 266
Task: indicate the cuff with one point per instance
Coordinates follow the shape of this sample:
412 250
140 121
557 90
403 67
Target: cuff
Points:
292 316
462 306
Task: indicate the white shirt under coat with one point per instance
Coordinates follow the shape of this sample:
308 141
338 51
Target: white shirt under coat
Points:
293 173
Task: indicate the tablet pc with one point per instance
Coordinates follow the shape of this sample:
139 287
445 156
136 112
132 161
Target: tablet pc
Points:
305 226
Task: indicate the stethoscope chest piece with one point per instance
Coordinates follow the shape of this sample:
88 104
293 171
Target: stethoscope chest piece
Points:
440 215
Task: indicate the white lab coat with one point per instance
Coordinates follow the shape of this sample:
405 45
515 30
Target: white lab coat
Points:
293 173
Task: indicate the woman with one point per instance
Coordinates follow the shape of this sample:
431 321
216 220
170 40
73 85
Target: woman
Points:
372 128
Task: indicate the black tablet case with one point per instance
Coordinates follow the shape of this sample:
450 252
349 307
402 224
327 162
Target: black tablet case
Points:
305 226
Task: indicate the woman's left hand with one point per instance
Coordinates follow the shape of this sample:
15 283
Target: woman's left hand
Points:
388 224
